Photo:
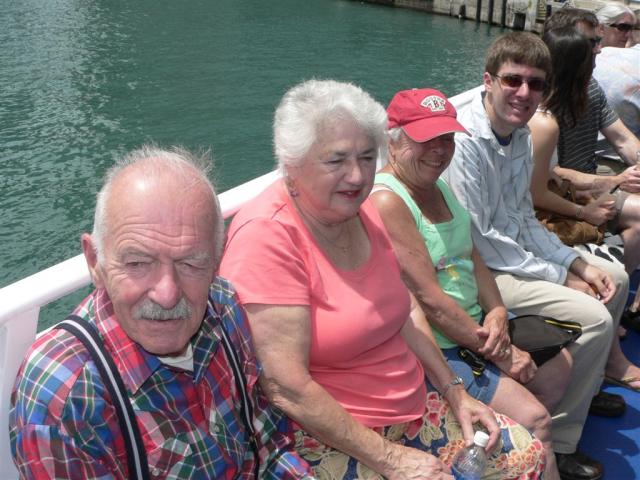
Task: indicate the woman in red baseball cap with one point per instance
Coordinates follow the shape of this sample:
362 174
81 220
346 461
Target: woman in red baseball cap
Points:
431 235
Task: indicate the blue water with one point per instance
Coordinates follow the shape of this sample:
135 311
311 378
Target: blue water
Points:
83 82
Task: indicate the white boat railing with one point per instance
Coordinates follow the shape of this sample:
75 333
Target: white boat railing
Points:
20 302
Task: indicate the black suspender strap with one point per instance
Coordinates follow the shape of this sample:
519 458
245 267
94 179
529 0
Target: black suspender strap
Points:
136 454
137 463
241 385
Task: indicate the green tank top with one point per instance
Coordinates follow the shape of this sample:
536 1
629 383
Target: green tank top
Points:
450 246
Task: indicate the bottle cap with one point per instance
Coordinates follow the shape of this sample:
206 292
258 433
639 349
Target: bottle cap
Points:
481 439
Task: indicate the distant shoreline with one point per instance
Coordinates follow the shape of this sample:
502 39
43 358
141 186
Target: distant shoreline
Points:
514 14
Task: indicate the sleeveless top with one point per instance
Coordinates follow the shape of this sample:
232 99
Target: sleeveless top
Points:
449 245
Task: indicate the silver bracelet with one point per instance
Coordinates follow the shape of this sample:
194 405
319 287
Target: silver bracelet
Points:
452 383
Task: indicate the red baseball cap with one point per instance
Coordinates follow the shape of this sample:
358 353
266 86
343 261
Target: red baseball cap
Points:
423 114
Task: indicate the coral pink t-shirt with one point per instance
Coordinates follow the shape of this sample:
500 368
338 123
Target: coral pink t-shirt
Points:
357 353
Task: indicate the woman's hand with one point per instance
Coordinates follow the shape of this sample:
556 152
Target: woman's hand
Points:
495 334
469 411
519 365
599 211
406 463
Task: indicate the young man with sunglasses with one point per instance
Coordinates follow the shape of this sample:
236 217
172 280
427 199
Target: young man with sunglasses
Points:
536 274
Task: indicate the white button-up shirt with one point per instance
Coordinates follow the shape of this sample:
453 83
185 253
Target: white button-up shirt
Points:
492 182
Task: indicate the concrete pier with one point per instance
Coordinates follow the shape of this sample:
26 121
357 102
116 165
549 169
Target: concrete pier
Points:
516 14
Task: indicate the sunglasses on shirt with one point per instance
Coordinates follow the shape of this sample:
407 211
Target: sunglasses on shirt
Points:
515 81
622 27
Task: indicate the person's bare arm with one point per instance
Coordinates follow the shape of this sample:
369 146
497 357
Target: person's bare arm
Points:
496 319
466 409
627 145
628 180
511 360
419 274
624 142
281 335
544 136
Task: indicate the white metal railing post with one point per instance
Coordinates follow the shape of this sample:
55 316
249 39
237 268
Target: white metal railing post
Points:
20 333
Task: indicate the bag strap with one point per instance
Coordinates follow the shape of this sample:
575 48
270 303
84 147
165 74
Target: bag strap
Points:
87 334
241 385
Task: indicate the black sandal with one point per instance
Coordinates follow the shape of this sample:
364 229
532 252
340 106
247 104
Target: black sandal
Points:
631 320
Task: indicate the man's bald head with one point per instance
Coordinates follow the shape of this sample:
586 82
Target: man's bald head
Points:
148 165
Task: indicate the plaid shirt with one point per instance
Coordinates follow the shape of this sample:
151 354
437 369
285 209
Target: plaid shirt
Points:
63 424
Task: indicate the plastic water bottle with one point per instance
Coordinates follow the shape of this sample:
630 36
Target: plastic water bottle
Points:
471 462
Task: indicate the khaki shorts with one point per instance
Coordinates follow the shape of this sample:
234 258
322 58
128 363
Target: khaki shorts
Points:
613 225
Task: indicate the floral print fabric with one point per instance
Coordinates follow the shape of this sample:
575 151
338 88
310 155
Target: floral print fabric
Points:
519 455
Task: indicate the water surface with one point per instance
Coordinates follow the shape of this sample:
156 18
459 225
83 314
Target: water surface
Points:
85 81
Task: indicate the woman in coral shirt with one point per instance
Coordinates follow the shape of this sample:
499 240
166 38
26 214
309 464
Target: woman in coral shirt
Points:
344 347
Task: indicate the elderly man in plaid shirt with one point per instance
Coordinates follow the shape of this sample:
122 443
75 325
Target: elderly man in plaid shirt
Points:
159 311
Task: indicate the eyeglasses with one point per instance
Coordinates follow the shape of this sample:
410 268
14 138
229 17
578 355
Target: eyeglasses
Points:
515 81
595 41
622 27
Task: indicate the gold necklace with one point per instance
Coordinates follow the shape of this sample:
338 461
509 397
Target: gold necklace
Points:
344 249
310 221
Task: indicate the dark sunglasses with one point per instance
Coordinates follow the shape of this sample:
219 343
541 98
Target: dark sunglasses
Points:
595 41
622 27
474 361
515 81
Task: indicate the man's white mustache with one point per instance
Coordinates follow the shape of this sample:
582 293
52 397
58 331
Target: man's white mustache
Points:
151 310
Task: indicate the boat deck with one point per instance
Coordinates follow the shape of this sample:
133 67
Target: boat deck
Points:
616 441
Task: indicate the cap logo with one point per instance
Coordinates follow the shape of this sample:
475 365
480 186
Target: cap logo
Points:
434 103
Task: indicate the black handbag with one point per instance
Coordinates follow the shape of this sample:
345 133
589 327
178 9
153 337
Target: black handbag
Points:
542 337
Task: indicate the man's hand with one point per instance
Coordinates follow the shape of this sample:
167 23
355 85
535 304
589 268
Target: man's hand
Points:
495 334
519 365
629 180
590 280
575 282
408 463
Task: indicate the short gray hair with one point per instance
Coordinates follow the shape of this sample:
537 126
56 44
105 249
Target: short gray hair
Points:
178 161
612 12
311 105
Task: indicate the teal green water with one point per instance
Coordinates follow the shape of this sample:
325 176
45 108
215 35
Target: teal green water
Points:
82 82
